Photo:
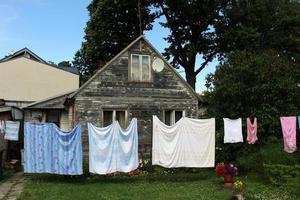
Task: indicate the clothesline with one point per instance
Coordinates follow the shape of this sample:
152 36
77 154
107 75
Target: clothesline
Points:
187 143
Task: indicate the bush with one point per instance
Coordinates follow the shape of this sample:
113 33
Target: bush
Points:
284 175
252 157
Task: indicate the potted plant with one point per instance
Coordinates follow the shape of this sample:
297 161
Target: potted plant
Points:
227 170
238 187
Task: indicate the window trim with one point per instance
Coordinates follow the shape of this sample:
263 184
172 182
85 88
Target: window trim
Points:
140 68
172 120
58 116
114 116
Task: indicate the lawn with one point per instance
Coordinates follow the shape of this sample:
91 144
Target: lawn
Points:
204 184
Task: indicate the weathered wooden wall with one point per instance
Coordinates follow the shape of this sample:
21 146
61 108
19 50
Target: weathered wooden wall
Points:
4 143
111 89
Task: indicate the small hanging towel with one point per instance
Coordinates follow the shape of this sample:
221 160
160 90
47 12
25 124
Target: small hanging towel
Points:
12 130
233 130
2 126
251 131
288 126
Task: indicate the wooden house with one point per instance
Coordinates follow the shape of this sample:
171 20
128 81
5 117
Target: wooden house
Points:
138 82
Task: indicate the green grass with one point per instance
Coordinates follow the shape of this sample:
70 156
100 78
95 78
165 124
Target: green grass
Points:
172 186
204 184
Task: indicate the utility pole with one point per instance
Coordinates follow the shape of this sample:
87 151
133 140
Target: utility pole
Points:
140 16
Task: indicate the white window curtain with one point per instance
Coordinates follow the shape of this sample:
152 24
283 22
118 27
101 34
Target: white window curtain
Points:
140 68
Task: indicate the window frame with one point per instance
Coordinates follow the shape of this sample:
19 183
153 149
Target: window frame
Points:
172 120
140 79
58 112
114 115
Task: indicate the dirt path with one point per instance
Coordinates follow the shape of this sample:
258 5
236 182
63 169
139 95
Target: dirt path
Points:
12 188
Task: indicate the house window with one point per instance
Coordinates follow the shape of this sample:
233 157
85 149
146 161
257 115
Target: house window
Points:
140 68
53 116
109 116
172 116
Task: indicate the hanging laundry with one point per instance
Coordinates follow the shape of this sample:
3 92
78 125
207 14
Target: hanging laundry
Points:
113 149
2 126
288 126
188 143
252 131
50 150
12 130
233 130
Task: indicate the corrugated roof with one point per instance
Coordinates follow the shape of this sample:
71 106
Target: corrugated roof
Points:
5 109
55 102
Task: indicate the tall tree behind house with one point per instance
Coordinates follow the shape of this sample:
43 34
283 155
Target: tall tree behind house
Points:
111 27
192 32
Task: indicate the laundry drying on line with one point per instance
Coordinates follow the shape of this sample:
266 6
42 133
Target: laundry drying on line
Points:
188 143
50 150
233 130
113 149
288 126
251 131
12 130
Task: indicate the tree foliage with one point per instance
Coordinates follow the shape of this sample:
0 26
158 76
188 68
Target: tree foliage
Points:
111 27
256 25
260 84
192 32
64 64
260 70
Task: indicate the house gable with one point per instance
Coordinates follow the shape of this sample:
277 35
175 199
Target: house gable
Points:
111 91
116 73
25 52
23 79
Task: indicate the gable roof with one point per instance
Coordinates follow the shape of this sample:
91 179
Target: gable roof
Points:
23 52
32 56
123 51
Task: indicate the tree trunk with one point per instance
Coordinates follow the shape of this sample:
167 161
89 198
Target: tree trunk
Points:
191 79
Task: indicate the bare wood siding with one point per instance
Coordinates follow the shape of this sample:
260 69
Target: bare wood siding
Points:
112 89
64 121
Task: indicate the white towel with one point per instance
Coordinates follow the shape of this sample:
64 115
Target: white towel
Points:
12 130
233 130
188 143
2 126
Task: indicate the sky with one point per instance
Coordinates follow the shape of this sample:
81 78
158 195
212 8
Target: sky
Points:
54 30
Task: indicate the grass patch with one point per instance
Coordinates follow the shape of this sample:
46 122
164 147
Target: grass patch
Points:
201 185
205 185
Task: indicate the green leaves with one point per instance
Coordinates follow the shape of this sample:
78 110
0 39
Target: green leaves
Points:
111 27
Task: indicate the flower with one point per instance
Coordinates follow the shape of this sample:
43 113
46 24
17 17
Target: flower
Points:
238 185
226 169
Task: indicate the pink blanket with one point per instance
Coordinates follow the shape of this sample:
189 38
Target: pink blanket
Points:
251 131
288 126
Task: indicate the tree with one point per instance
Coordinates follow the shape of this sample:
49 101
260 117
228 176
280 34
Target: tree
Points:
255 25
111 27
259 72
192 32
51 63
64 64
